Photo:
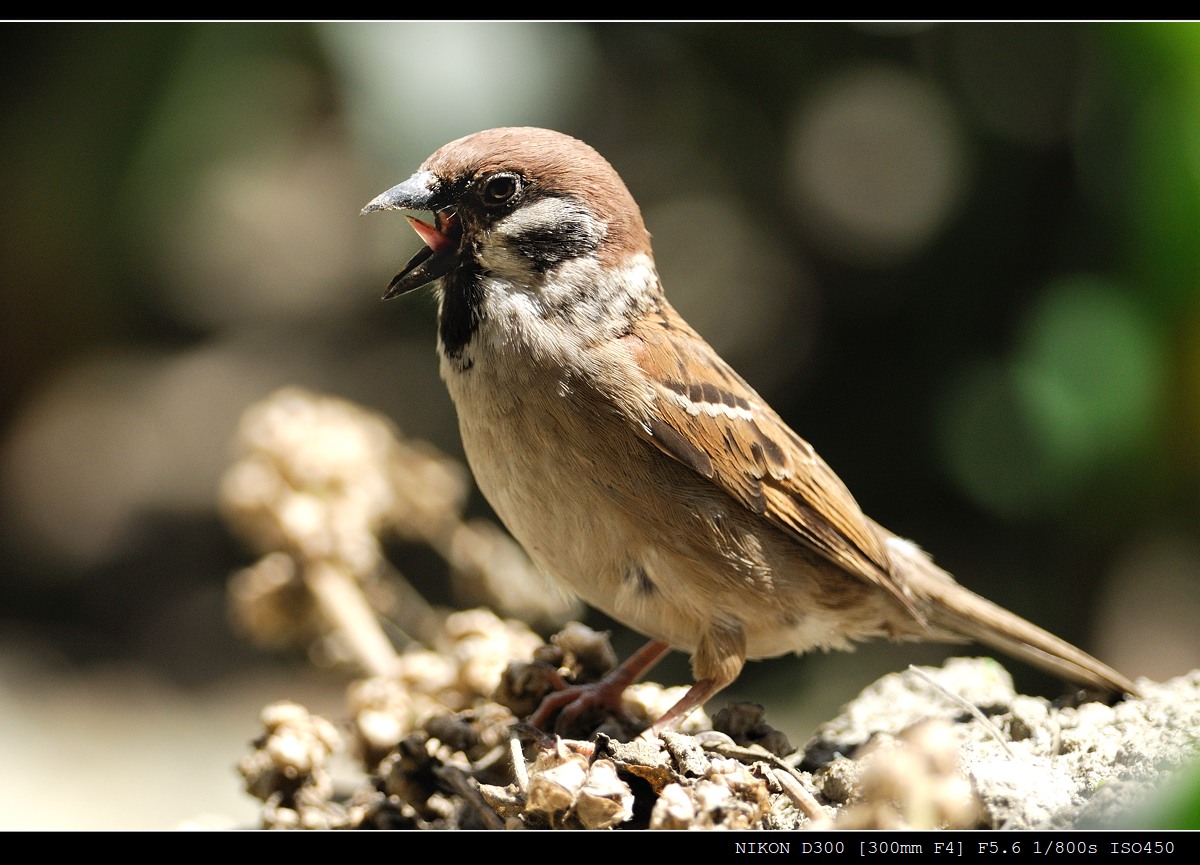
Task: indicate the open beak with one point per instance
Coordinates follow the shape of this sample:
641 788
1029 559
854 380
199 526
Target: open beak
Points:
440 253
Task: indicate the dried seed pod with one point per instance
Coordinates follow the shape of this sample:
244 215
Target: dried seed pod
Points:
588 654
913 781
605 800
554 783
674 809
746 724
483 645
288 768
270 604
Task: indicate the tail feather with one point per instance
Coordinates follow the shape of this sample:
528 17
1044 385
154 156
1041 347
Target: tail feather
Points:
952 608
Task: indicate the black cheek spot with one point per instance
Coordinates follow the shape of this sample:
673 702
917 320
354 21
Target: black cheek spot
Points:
545 247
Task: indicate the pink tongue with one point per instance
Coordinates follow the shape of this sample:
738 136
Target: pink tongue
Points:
433 238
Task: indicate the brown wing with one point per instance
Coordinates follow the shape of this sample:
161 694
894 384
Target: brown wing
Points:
710 420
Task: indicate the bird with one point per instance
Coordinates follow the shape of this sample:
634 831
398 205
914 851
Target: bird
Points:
632 463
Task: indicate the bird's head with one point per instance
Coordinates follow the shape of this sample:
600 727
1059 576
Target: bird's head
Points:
517 204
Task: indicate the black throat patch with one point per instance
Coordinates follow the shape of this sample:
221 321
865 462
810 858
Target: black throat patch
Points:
459 316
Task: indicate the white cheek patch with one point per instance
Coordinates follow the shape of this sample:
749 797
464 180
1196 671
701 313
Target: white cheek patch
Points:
536 239
500 260
547 216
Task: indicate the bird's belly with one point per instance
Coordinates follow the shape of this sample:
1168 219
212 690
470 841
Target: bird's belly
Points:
639 536
593 517
564 510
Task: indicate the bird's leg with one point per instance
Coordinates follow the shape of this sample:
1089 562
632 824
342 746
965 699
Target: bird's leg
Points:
696 696
574 700
716 663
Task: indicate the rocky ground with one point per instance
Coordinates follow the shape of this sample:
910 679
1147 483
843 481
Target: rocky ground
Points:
438 746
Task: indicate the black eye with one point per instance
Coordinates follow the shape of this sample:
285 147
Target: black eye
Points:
500 188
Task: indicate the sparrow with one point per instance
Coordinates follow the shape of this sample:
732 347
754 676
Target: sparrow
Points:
634 465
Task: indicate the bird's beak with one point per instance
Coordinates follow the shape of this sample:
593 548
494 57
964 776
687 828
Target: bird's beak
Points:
440 253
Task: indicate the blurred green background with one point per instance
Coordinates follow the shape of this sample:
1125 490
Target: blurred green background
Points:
962 260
